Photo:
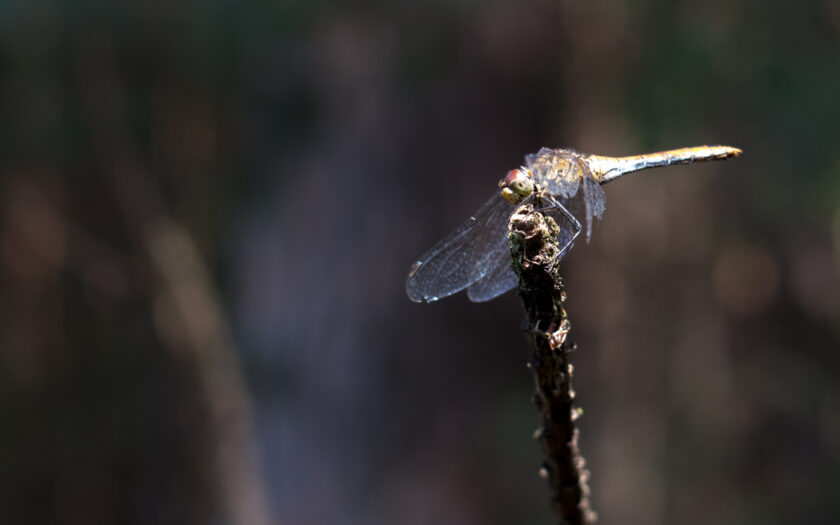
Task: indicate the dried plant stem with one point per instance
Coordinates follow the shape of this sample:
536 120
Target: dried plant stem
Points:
534 248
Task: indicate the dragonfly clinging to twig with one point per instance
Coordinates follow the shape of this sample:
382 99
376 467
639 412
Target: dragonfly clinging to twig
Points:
564 184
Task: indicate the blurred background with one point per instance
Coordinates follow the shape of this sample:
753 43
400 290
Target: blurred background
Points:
208 209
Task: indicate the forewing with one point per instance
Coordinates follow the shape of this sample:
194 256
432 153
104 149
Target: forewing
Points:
498 280
463 257
501 277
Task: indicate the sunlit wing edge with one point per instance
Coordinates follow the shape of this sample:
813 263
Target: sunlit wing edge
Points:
421 286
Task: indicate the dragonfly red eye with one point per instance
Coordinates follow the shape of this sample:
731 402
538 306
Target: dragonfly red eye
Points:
511 176
519 183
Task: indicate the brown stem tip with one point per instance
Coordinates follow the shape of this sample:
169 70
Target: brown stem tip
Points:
534 248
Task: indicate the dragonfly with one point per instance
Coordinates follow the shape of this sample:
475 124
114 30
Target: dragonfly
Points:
563 184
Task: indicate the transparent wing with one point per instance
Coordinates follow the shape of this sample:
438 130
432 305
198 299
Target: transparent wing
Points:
462 258
595 202
567 223
501 277
587 204
498 280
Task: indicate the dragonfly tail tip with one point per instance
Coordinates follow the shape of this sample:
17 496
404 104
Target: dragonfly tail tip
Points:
729 152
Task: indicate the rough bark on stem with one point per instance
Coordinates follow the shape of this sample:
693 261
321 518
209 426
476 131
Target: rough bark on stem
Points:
534 249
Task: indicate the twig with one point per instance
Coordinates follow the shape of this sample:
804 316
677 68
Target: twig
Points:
534 248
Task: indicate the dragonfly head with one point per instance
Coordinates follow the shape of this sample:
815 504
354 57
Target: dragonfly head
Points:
516 186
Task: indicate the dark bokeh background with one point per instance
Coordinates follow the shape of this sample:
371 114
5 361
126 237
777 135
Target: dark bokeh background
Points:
207 210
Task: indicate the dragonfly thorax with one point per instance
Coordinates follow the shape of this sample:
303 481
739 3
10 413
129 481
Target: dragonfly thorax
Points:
516 186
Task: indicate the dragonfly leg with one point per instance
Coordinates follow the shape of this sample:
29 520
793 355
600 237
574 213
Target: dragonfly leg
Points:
552 201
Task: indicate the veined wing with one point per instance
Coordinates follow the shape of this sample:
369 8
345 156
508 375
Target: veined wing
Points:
568 225
501 277
588 204
464 256
498 280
